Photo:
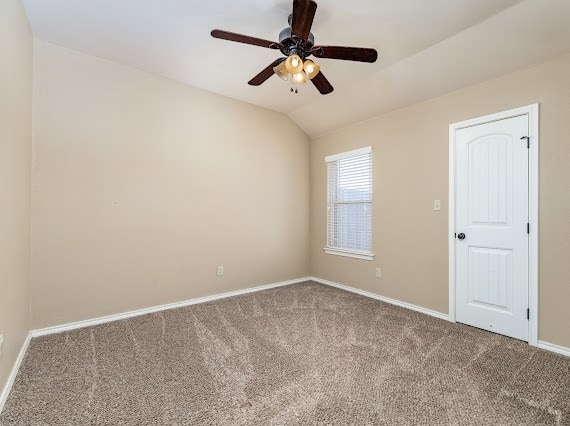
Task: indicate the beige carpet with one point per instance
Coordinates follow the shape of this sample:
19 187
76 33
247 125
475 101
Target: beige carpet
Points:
301 354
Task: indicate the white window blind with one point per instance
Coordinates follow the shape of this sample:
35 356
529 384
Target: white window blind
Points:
349 215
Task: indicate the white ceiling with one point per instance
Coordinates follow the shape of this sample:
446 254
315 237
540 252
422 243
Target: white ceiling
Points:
426 48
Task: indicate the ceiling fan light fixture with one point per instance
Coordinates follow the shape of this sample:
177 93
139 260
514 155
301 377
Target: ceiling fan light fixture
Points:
281 71
299 78
296 42
311 69
294 64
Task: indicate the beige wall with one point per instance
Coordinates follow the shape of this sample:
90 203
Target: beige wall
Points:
410 148
15 160
142 186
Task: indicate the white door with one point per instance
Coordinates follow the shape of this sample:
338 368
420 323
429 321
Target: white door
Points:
491 244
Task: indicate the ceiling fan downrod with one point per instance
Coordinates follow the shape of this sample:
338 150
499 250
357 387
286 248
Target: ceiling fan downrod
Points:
292 44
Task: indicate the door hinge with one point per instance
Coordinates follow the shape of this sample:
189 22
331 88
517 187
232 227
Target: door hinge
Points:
527 313
528 228
527 140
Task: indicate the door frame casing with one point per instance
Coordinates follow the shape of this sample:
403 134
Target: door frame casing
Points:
532 111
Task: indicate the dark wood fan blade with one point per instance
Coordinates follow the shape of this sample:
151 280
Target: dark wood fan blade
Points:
303 15
265 74
360 54
240 38
322 84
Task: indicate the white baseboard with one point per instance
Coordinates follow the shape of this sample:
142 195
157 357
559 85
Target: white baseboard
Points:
143 311
541 344
416 308
14 372
554 348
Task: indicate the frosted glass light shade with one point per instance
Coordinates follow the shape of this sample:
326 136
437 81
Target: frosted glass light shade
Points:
311 69
281 71
299 78
294 64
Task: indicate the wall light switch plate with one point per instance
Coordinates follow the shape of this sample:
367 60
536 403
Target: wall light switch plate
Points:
220 271
437 205
378 272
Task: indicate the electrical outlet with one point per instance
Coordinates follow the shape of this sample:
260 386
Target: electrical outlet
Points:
378 272
220 272
437 205
1 343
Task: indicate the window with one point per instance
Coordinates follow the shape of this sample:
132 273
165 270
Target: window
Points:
349 204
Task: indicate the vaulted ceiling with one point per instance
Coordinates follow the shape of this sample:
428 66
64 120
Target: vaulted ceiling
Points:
426 48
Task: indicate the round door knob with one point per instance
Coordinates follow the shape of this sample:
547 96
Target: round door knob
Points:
461 236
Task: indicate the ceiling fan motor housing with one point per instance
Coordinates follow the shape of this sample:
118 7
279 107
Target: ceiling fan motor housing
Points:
292 45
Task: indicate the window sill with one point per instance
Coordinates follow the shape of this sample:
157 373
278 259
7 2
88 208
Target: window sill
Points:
357 254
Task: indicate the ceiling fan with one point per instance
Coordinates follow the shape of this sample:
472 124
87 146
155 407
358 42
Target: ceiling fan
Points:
297 43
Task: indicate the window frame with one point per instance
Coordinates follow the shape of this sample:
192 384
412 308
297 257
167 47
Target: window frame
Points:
339 251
